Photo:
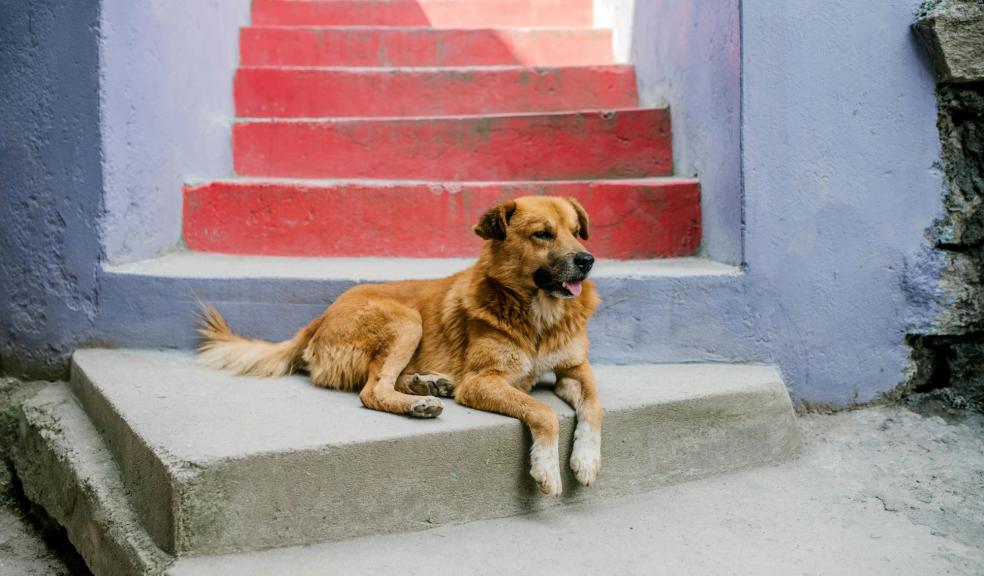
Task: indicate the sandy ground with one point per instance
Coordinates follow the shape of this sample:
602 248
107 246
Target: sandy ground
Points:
877 491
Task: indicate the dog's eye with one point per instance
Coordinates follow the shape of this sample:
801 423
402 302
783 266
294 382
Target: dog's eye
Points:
544 235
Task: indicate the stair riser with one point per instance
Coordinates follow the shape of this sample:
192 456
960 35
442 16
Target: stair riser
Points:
422 221
583 146
299 93
422 47
436 14
662 319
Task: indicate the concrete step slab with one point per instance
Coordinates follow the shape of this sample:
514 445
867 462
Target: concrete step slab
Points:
649 218
634 143
433 13
422 46
295 92
217 463
670 310
64 467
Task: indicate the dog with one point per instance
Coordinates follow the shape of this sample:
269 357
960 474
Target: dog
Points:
482 336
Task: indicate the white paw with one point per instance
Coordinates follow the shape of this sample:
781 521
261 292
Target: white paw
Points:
586 456
545 467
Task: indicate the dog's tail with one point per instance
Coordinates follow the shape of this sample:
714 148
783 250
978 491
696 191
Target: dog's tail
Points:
223 349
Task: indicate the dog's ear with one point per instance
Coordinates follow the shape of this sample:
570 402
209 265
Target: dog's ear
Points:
492 225
582 218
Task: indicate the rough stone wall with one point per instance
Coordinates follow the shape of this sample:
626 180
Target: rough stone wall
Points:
50 181
948 356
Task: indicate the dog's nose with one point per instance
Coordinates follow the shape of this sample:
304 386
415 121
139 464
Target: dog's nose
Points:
584 261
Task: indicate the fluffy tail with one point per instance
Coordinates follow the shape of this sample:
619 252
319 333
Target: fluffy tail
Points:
221 348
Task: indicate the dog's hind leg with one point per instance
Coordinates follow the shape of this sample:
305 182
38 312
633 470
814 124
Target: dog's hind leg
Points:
379 392
426 385
576 386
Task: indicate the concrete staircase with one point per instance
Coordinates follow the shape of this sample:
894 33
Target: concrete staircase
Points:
372 134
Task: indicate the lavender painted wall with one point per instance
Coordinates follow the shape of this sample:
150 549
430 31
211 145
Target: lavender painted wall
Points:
167 110
840 181
50 181
841 176
688 57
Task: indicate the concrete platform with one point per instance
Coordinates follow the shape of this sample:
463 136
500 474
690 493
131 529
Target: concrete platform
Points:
877 492
216 463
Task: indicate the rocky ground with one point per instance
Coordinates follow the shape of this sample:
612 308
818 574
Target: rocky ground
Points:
906 478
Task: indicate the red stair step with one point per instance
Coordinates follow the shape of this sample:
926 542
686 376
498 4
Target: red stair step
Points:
433 13
289 46
366 92
560 146
630 219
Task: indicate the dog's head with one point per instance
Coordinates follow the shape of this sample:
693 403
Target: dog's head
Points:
535 241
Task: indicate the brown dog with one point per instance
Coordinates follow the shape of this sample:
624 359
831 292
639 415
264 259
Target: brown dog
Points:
483 335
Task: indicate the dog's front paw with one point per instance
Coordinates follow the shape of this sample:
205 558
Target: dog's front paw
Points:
586 456
545 467
426 407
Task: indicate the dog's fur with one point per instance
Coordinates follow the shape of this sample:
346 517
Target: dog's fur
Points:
483 335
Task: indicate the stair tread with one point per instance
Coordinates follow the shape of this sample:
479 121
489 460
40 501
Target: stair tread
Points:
457 69
204 265
450 118
436 13
169 400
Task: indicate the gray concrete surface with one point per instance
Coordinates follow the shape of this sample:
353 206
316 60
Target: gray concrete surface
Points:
882 491
210 457
66 469
22 550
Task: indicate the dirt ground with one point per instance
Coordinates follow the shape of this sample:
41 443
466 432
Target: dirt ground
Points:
924 466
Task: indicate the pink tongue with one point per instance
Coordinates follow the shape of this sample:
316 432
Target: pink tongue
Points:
573 287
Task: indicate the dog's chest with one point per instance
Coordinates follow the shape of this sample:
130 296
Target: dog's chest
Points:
542 362
553 347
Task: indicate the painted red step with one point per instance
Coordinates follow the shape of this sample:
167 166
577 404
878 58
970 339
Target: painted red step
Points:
561 146
630 219
289 46
367 92
433 13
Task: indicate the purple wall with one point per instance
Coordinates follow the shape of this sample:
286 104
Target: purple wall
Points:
842 178
838 148
50 181
167 112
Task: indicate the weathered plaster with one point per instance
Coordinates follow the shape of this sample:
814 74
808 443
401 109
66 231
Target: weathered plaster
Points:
50 180
167 111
